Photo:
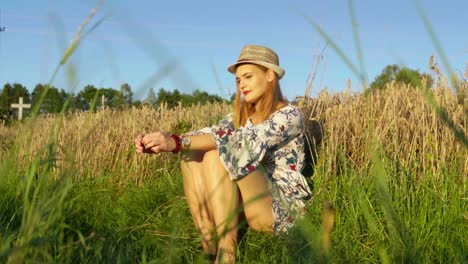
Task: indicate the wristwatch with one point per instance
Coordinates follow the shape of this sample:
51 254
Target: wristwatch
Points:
185 143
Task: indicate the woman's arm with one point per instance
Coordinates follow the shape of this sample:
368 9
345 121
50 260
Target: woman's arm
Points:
201 142
158 142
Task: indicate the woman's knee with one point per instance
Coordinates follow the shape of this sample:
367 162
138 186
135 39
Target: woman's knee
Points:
194 180
193 156
210 156
212 163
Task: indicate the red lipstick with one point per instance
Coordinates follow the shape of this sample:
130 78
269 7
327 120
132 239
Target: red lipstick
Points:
246 93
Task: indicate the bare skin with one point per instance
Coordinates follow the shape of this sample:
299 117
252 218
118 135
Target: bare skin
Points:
215 201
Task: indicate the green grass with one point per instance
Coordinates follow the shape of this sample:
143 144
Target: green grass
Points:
381 215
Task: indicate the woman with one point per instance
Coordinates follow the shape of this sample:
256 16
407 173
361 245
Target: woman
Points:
249 164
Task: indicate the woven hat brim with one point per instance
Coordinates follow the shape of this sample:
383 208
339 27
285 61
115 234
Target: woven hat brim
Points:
280 71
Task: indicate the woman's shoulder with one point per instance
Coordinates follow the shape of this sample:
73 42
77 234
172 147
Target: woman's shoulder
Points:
289 109
290 106
289 115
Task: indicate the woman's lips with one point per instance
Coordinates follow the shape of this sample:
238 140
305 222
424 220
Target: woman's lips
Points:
246 93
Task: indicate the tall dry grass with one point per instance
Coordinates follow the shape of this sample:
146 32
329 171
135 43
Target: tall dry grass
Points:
7 137
399 118
99 143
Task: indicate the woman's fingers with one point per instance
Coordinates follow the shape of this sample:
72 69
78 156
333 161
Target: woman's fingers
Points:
156 149
139 149
151 141
138 140
139 144
156 142
154 139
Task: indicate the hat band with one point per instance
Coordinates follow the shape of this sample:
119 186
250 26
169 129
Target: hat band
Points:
254 59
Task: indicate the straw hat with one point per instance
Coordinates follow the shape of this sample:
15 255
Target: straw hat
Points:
259 55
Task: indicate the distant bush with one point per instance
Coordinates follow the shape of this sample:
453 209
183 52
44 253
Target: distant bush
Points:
393 73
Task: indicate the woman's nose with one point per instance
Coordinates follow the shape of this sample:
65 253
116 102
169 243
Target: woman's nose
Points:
241 84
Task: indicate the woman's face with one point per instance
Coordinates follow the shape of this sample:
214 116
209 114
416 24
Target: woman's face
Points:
252 81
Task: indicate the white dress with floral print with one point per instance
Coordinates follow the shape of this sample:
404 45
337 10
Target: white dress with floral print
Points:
278 145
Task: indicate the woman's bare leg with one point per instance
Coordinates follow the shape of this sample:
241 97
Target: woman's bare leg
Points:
224 201
214 202
196 194
257 201
252 191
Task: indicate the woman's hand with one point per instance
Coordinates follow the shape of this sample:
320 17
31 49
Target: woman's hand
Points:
154 143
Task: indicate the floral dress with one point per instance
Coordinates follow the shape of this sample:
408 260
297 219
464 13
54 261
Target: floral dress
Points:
277 145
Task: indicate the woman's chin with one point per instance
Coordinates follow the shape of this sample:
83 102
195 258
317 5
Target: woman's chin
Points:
250 100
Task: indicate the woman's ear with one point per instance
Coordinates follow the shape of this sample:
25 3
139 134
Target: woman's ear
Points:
270 75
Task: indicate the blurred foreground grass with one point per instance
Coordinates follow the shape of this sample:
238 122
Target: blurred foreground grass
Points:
393 172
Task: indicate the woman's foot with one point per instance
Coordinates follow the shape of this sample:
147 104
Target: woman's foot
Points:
225 256
210 258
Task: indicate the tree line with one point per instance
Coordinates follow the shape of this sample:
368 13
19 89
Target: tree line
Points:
90 97
55 98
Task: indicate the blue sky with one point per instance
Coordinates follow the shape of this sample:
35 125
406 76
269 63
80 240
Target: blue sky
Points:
197 40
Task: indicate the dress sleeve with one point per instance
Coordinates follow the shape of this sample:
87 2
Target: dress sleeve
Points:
226 122
241 150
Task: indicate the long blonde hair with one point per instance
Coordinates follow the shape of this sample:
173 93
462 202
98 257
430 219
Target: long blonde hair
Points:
267 103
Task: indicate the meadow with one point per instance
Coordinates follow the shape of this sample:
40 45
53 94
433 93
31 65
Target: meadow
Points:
389 182
388 169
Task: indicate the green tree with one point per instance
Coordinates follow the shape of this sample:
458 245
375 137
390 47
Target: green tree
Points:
176 97
399 75
85 98
53 100
10 94
150 98
200 96
137 103
71 105
6 97
127 93
89 94
163 96
5 101
204 97
113 98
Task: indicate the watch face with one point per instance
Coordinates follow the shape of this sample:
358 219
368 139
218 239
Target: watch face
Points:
185 141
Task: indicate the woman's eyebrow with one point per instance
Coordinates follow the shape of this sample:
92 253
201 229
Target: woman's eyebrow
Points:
244 74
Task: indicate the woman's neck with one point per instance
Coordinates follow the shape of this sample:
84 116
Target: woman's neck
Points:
280 105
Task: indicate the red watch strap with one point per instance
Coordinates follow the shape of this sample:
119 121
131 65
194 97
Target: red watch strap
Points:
178 144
